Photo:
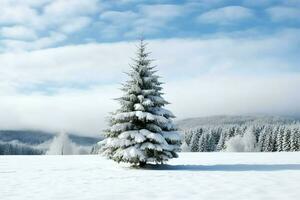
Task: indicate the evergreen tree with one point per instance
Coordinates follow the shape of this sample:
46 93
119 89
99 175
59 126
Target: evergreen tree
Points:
262 140
141 131
279 140
231 132
211 146
188 137
294 140
268 145
195 140
221 142
217 134
286 140
297 135
275 134
203 142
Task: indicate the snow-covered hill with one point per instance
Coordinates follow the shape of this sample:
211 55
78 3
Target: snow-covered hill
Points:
21 142
192 176
235 119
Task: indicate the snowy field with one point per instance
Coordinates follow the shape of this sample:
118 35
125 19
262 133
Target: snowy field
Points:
192 176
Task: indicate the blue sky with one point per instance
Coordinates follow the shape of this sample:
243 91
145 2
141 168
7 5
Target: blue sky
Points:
63 59
45 23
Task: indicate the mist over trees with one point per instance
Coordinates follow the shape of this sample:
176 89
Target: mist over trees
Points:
63 145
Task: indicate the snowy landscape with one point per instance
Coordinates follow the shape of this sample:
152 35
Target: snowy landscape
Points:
127 99
192 176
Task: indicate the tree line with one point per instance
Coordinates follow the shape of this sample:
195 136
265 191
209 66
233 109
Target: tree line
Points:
19 149
263 137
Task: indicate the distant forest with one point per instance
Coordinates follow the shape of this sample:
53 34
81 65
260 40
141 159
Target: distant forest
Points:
243 137
21 142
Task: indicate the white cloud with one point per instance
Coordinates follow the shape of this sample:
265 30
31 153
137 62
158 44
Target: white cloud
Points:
29 3
86 111
18 32
102 62
203 77
154 17
68 15
16 14
113 23
226 15
119 17
148 19
76 24
235 94
79 63
70 8
43 42
161 11
82 112
47 22
279 14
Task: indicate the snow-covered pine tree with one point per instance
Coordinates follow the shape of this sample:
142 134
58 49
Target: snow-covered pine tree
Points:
286 146
195 140
203 142
268 145
211 141
221 142
275 134
279 140
297 132
188 136
294 139
142 131
261 140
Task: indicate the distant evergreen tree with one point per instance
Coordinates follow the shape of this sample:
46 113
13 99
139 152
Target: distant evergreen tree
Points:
216 132
294 140
188 137
195 140
286 146
221 142
268 144
142 131
257 129
231 132
279 140
203 142
275 134
262 140
211 142
297 133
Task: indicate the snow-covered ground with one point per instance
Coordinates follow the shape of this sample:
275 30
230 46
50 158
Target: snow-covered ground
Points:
196 176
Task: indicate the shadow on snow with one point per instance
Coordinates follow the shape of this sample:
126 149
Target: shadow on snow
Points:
229 168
